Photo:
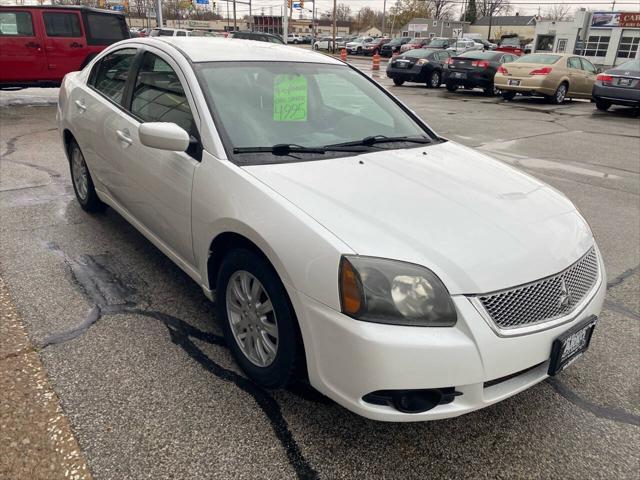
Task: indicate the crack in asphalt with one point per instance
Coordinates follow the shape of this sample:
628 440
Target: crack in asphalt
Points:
110 296
617 280
621 309
609 413
11 148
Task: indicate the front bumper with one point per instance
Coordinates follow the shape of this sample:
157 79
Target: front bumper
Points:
348 359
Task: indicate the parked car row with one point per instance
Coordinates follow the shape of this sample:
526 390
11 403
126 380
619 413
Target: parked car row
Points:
552 76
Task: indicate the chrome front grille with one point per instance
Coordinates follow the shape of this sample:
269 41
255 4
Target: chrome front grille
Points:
544 300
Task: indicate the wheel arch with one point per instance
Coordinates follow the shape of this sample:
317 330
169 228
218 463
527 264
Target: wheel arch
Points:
229 240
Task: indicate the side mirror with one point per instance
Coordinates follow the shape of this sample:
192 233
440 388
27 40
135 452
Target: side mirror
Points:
163 136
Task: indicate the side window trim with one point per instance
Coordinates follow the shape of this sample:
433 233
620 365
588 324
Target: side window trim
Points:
18 34
133 77
181 75
72 14
96 66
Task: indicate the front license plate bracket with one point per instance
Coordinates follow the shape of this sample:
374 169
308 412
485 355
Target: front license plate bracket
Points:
571 344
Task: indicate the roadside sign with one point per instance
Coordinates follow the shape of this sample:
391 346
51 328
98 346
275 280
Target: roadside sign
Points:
202 2
297 5
457 32
117 8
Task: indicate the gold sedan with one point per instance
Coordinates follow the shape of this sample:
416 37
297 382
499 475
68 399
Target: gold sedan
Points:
552 75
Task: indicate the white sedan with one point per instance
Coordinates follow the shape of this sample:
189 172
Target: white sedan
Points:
406 276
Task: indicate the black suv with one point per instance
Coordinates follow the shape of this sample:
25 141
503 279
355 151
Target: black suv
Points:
388 49
258 36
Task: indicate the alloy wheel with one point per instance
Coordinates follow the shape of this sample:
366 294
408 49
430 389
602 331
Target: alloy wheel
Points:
80 174
435 79
561 93
252 318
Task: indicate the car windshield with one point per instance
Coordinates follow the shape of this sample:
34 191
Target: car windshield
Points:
542 59
438 42
510 41
630 65
417 40
309 105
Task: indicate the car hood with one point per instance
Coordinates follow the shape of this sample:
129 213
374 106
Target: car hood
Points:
478 223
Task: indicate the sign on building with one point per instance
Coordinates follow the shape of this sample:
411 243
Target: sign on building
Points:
615 19
418 27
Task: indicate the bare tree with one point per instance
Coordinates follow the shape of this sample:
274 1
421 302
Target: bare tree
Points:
442 9
405 10
491 8
557 12
343 13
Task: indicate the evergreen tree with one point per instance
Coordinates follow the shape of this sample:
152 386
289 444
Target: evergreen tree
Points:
471 15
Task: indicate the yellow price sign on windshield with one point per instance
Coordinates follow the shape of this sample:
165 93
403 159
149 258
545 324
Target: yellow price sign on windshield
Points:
290 98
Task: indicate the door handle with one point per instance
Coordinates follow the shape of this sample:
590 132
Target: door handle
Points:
32 45
81 106
123 136
75 45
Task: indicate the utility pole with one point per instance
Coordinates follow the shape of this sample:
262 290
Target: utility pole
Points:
159 13
285 22
235 22
250 18
384 14
335 25
490 19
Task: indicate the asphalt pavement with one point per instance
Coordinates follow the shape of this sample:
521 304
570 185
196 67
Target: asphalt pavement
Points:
132 351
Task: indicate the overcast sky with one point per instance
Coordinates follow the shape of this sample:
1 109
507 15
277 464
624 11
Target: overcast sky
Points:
524 7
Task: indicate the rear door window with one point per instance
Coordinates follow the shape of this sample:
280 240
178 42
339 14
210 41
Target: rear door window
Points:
62 24
105 28
181 34
588 66
16 24
574 62
110 75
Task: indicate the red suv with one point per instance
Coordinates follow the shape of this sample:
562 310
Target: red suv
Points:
39 45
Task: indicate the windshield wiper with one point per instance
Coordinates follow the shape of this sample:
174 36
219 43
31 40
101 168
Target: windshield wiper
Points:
372 140
282 149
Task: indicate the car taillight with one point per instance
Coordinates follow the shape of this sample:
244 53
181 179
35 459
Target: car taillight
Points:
502 70
480 64
541 71
603 77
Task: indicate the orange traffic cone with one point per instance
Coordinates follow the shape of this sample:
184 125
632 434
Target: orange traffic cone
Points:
343 54
376 62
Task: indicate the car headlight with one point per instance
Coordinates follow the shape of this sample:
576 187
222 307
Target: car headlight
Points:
388 291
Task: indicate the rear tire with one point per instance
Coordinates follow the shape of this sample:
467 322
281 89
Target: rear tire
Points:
451 87
491 91
434 80
271 348
603 105
558 97
508 95
82 182
398 82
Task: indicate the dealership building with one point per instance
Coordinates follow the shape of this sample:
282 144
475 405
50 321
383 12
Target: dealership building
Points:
605 38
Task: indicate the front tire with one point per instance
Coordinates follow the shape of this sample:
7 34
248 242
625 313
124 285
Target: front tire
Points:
434 80
257 319
82 182
603 105
451 87
397 82
507 95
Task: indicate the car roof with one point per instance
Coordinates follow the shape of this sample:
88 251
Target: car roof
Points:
212 49
63 7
